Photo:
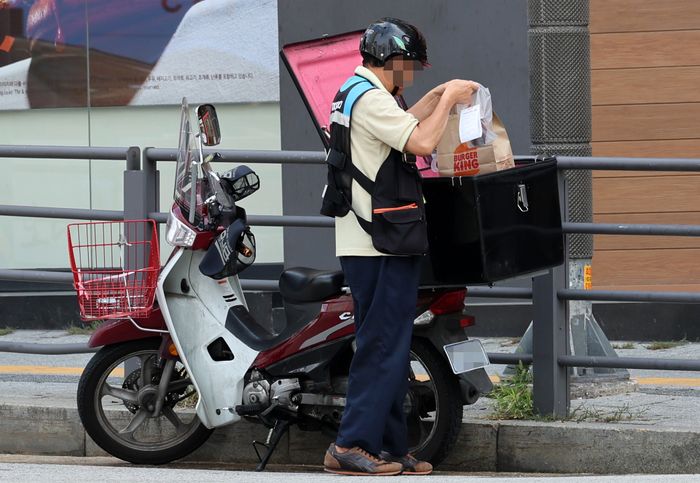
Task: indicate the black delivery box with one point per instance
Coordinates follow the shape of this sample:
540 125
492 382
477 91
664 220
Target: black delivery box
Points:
494 226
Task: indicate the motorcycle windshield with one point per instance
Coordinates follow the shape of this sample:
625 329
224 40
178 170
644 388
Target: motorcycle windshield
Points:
188 175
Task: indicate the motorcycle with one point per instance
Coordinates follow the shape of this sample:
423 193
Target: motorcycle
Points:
172 370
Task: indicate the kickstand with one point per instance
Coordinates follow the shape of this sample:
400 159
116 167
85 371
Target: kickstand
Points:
273 439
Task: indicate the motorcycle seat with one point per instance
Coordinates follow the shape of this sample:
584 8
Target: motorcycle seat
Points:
302 284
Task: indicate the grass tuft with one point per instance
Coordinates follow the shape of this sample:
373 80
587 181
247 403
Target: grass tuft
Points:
6 331
616 415
510 342
513 396
513 400
660 345
626 345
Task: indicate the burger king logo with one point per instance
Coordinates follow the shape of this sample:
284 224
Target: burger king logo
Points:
466 160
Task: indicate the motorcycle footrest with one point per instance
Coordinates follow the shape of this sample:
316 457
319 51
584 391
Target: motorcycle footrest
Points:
249 409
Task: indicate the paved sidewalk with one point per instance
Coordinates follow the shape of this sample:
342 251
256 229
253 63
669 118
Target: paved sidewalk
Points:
656 428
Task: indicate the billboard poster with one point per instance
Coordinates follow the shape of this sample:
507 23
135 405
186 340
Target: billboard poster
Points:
98 53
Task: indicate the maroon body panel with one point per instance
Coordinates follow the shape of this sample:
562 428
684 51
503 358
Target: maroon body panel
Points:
122 330
334 321
327 327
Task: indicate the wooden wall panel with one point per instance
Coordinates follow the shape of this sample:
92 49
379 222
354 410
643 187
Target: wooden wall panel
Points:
645 49
646 267
646 195
646 122
641 174
648 287
645 59
667 148
645 86
636 242
643 15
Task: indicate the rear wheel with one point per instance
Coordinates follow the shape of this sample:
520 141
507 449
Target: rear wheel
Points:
119 407
435 419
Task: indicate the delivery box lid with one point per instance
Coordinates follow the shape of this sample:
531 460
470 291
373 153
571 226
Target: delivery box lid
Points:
319 67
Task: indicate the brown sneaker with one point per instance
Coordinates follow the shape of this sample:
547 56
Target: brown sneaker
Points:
411 466
357 461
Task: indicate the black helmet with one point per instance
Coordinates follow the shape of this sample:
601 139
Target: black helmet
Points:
388 37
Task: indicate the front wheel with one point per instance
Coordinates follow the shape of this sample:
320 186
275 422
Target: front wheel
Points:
435 417
119 407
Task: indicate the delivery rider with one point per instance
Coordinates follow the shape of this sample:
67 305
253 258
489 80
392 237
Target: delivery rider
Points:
375 195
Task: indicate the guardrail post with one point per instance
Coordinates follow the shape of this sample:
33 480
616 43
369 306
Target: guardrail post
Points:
550 340
140 199
133 158
149 167
139 188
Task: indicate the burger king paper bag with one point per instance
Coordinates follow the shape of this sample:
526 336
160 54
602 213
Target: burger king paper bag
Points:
455 158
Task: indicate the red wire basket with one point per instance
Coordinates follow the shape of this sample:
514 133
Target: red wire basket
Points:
115 267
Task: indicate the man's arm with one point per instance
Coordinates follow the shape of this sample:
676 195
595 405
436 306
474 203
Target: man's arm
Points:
428 132
426 105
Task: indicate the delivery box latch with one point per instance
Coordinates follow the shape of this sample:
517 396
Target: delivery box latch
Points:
523 205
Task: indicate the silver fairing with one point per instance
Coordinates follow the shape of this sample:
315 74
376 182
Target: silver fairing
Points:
196 317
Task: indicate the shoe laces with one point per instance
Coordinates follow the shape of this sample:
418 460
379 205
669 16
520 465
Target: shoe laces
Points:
369 456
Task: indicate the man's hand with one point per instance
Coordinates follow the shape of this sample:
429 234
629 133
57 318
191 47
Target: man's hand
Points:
428 132
460 91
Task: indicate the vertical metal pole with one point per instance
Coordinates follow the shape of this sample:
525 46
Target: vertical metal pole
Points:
138 196
133 158
550 330
149 167
550 340
136 189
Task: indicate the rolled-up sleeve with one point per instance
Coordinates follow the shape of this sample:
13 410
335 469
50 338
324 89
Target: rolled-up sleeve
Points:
378 113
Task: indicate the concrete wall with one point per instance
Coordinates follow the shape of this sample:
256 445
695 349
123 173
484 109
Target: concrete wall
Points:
483 40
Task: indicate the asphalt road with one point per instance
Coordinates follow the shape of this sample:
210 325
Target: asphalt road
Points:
32 468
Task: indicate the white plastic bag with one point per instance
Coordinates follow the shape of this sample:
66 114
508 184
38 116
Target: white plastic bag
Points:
482 98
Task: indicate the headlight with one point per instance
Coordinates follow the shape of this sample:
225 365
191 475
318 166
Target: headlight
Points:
178 234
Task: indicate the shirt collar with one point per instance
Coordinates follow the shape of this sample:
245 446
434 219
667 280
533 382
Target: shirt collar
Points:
370 76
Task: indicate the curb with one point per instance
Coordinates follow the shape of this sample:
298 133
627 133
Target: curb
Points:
483 446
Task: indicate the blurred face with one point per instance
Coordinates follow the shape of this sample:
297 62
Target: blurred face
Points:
401 71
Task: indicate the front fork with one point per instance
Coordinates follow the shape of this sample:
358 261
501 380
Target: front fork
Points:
165 378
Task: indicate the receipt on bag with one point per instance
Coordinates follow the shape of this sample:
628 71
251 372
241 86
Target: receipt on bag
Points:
470 123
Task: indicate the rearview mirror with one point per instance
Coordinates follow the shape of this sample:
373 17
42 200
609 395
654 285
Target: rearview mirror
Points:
208 125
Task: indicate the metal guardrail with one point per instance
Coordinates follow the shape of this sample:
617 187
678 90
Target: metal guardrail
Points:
549 294
243 156
131 154
65 213
46 349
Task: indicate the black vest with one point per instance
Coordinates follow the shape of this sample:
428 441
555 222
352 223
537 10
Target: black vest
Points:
398 224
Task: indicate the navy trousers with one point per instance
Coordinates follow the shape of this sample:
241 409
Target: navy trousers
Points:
384 291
